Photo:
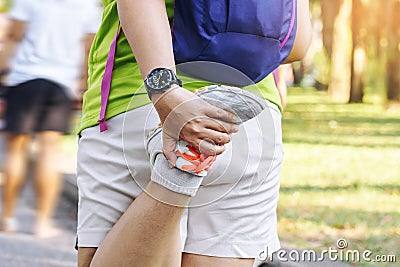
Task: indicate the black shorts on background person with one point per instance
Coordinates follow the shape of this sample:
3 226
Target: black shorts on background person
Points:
35 106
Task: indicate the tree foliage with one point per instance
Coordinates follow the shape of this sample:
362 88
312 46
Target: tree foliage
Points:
374 45
5 5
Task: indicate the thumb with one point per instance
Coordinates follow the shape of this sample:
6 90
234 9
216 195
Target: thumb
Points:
169 145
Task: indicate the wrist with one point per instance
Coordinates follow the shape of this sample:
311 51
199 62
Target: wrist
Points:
171 92
165 102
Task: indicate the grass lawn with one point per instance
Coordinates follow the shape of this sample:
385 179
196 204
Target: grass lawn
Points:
341 175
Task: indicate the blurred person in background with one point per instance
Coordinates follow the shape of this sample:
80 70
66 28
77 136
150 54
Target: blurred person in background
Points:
283 78
46 43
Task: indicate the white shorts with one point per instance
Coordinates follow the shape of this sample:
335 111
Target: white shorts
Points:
232 215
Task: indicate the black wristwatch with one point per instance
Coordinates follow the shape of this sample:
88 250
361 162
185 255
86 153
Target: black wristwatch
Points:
159 80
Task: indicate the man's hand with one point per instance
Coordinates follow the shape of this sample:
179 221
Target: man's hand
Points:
187 117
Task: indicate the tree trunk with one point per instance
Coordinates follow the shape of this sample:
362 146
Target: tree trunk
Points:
359 55
339 87
330 10
393 64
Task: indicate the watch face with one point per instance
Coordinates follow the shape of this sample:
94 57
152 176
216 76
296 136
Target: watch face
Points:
160 79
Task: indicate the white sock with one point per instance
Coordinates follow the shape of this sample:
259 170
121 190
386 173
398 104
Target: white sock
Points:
174 179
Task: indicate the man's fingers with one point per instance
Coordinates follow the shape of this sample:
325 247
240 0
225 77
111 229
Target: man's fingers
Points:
222 126
221 114
210 148
169 145
215 137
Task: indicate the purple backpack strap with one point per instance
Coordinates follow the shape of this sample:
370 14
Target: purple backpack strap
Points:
291 26
106 82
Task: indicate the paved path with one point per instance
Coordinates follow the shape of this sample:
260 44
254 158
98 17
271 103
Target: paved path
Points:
23 249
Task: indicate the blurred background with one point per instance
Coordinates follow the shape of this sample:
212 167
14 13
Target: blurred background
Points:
341 130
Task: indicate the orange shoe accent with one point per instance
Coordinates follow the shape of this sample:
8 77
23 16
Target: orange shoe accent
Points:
200 162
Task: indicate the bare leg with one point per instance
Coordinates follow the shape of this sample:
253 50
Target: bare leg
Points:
14 171
48 177
148 234
85 256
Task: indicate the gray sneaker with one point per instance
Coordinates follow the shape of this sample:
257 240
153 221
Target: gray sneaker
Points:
244 104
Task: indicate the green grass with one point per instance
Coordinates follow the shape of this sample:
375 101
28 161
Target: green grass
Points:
341 175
